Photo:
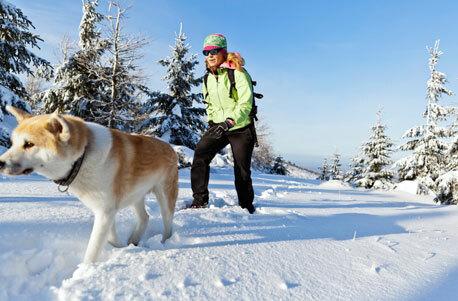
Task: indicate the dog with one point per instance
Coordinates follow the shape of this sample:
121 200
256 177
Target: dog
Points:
105 168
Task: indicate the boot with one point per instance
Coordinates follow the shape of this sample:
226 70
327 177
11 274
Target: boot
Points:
199 203
251 209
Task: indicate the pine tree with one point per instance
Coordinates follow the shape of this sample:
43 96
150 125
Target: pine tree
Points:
335 172
447 188
447 183
375 173
427 142
15 58
176 115
324 171
356 169
452 151
79 88
279 167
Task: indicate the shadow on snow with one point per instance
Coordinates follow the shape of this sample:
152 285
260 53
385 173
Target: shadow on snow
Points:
294 227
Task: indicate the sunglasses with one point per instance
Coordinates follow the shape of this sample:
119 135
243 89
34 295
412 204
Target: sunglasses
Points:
212 52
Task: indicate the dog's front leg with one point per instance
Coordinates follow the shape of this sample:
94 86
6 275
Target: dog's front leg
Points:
102 224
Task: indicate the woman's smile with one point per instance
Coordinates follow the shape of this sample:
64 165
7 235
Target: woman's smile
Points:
215 60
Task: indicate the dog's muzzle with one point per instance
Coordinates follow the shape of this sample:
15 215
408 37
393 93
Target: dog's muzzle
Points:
14 169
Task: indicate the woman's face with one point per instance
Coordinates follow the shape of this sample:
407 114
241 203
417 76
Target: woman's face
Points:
214 60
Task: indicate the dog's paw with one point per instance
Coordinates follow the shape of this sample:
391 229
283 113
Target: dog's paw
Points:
165 236
133 241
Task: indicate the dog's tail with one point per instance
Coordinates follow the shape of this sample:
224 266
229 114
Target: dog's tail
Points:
171 188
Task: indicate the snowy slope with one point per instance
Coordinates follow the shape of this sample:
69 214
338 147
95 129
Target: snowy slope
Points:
306 242
299 172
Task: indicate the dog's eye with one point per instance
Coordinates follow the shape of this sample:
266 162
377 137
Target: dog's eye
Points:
27 145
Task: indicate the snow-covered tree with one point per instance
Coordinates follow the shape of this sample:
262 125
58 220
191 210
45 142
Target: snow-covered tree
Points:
16 40
428 142
452 152
79 88
324 170
279 167
123 77
377 150
263 155
177 116
35 85
356 169
335 171
447 183
101 81
447 188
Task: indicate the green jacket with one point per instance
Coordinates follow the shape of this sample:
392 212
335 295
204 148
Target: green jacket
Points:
220 106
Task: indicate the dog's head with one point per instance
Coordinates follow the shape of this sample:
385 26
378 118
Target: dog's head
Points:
39 143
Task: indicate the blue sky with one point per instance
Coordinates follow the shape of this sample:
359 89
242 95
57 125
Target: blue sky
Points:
325 67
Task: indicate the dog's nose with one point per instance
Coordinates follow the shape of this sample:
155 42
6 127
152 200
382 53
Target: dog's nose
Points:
2 164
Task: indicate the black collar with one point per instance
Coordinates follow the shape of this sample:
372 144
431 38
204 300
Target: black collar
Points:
72 174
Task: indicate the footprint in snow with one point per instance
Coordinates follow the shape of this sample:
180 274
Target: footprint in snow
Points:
40 261
183 203
269 193
149 276
217 202
188 282
377 268
285 285
429 256
225 282
283 194
390 245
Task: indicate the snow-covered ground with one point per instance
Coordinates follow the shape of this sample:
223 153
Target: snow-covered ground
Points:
307 241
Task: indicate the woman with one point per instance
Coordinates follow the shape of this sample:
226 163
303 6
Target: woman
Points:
229 123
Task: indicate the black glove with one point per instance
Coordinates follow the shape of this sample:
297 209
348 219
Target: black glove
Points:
218 129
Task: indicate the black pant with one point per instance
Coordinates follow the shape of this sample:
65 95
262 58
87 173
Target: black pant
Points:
242 144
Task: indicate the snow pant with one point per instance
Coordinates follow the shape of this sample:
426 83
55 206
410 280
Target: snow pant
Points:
242 143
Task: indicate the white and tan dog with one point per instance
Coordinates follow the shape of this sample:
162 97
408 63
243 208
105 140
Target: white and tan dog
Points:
106 169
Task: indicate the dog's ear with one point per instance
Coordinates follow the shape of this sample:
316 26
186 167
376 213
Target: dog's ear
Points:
18 113
59 127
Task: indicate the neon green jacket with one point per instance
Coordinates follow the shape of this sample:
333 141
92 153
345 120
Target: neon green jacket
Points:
220 106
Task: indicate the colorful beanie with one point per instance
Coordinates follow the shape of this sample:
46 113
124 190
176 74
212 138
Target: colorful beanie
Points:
215 40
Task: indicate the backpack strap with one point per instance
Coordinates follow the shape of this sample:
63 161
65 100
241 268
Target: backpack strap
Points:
254 108
231 76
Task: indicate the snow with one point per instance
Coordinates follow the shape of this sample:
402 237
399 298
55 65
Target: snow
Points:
187 155
186 152
334 184
307 241
408 186
299 172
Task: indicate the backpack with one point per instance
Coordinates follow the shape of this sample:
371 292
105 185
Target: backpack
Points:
232 88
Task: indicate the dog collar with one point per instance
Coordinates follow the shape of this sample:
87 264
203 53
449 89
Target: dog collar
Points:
65 182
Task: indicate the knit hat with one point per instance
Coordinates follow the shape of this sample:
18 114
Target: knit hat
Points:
215 40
